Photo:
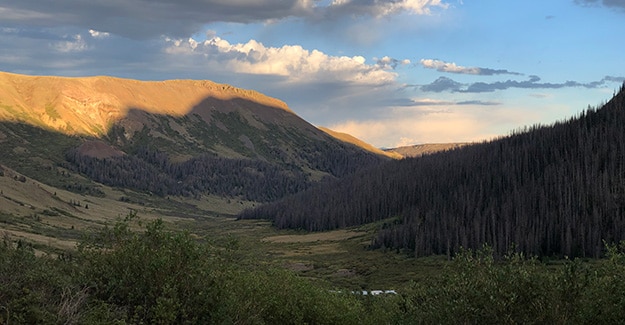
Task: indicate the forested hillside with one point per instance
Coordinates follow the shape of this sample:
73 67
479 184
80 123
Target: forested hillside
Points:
546 190
176 137
261 164
251 179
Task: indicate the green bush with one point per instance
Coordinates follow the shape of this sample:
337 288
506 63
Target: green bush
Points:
477 288
35 290
602 297
279 297
163 277
157 276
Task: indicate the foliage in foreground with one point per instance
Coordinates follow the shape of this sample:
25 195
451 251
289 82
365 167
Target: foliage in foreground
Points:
517 289
157 276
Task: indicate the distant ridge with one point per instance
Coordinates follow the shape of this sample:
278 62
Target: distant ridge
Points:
357 142
419 150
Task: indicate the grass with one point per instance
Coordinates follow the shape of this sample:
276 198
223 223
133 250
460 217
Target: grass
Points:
50 220
340 257
52 112
40 210
38 153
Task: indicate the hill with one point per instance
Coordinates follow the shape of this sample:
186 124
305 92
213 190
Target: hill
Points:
176 138
359 143
89 106
549 190
422 149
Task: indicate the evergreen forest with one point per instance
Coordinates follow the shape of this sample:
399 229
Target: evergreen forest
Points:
149 169
556 190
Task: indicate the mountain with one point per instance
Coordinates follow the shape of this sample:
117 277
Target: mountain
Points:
422 149
361 144
555 190
186 138
90 106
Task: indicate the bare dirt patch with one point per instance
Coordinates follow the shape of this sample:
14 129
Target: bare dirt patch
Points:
98 149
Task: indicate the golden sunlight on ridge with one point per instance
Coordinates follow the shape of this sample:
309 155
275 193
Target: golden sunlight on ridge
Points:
90 105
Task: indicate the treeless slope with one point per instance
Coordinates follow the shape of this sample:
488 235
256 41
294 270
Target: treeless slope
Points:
91 105
424 149
359 143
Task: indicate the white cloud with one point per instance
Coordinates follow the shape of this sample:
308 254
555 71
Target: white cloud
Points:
292 62
98 34
388 63
443 66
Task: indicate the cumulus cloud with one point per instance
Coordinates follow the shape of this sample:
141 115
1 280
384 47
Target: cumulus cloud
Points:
98 34
451 67
446 84
390 63
292 62
139 19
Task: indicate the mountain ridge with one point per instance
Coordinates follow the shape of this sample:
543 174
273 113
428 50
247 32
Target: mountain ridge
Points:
173 137
419 150
89 105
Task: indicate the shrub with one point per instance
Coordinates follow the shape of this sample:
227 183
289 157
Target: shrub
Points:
156 276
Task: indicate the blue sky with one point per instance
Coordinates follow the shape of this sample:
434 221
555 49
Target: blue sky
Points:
393 73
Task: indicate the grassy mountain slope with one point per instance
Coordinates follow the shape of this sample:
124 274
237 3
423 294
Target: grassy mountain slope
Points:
357 142
160 132
423 149
89 106
550 190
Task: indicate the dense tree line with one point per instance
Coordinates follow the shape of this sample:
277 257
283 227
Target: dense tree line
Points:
547 190
150 169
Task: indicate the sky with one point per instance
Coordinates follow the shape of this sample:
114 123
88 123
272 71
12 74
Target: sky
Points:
390 72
